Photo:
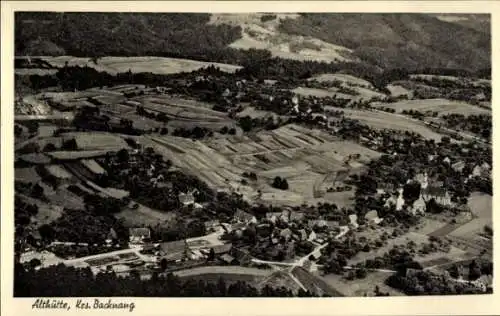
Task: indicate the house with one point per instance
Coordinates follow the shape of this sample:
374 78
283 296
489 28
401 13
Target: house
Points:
372 217
312 236
353 220
139 235
111 236
481 170
396 199
419 206
212 225
244 217
458 166
296 216
197 206
186 198
283 216
484 282
303 234
222 249
228 259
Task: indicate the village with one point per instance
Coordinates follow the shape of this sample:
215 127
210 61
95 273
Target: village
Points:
234 170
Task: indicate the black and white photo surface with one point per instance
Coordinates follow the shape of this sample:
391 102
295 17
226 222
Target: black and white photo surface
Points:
252 154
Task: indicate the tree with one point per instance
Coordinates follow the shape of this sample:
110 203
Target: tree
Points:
284 185
211 255
49 147
474 270
163 264
361 273
34 263
47 232
70 144
277 182
122 155
411 191
488 230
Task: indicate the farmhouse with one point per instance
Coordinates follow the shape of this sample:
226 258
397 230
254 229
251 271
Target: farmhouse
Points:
139 235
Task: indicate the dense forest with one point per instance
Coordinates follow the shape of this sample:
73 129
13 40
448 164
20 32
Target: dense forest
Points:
382 40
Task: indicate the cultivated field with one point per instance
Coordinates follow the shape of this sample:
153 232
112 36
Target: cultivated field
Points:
397 90
379 120
344 78
303 156
322 93
156 65
442 106
144 216
26 175
481 206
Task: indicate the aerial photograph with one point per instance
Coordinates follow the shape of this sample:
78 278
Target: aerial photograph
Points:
252 154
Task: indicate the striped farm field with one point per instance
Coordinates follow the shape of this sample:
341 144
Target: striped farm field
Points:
156 65
442 106
303 156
